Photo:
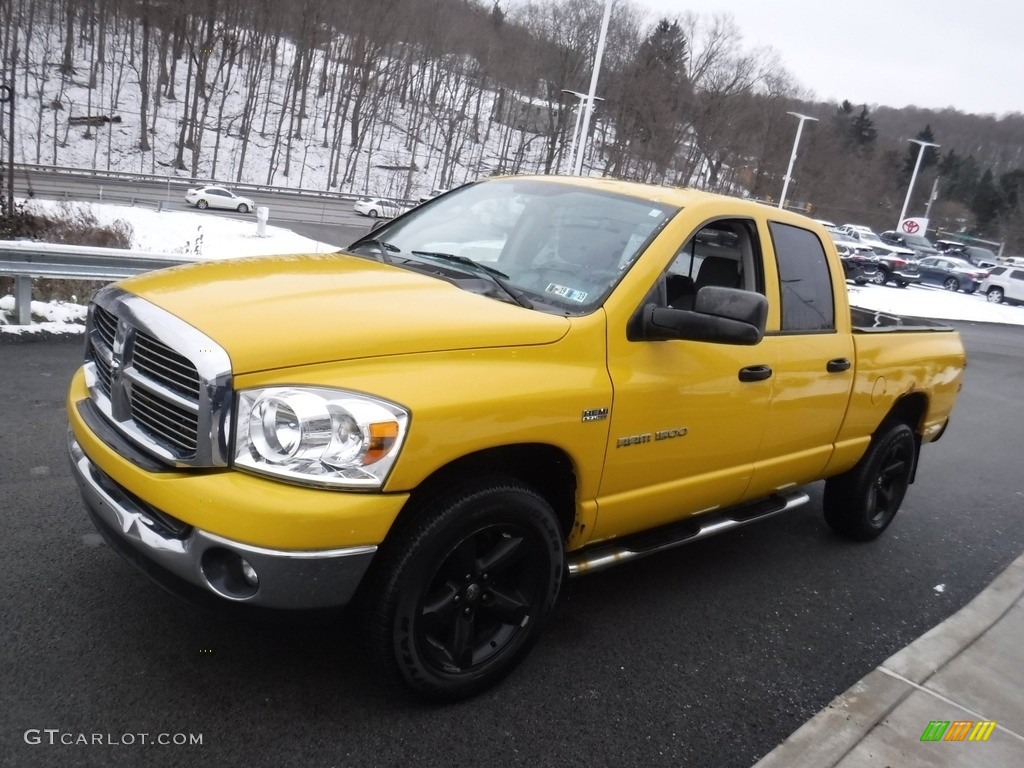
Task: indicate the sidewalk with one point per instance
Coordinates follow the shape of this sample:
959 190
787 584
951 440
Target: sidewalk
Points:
969 668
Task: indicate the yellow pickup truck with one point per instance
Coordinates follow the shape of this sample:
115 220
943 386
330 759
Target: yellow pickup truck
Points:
521 380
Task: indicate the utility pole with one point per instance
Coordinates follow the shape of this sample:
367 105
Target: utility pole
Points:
913 177
792 158
578 165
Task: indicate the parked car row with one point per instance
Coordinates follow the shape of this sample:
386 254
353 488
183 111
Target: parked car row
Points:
903 266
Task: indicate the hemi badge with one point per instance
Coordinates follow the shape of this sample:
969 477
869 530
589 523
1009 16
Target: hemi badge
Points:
595 414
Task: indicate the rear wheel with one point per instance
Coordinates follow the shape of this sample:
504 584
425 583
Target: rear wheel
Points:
463 592
951 284
372 213
860 503
881 277
995 295
902 283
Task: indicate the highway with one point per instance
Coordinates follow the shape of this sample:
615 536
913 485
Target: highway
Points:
327 218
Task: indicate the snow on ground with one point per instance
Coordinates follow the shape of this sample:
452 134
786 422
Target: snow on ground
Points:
205 235
214 237
933 302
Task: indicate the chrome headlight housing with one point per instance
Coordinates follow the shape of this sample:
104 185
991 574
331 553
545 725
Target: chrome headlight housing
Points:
318 436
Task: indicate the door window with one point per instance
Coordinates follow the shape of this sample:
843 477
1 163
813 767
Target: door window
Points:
806 285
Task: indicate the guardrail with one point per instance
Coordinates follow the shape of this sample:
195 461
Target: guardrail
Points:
27 260
26 169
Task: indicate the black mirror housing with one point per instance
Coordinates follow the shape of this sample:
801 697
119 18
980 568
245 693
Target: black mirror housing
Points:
720 315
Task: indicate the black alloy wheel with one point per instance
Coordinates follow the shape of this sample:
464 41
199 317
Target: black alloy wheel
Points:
461 594
861 503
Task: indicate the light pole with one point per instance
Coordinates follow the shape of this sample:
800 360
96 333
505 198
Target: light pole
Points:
576 128
913 177
578 165
792 158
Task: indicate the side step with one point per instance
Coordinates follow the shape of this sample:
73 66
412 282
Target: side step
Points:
701 526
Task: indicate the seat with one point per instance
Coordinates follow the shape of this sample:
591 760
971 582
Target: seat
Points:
715 270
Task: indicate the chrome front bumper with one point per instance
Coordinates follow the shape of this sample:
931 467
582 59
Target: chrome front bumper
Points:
234 572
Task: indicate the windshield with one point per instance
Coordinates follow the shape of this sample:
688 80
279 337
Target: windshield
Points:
561 247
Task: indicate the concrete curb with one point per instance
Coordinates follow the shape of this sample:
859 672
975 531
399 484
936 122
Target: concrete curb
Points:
828 737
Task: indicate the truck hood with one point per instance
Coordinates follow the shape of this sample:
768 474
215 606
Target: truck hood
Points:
285 311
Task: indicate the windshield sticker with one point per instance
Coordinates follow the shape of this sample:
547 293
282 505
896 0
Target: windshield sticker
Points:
567 293
655 213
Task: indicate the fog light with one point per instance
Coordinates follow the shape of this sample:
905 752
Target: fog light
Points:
249 574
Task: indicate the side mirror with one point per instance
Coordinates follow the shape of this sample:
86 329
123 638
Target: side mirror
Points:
719 315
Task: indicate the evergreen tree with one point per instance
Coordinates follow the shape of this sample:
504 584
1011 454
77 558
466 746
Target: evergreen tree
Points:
988 201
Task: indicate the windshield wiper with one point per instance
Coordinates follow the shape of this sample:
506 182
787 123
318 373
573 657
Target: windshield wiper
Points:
383 247
495 275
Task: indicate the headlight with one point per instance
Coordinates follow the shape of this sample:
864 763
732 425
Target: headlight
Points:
318 436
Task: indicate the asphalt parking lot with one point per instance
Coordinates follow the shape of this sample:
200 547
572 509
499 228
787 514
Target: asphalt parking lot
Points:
706 656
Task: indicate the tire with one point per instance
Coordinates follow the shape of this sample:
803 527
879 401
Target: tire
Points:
860 503
951 284
243 208
881 278
902 283
442 620
995 295
202 205
372 213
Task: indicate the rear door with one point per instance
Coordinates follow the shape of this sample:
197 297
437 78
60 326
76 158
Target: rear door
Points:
814 363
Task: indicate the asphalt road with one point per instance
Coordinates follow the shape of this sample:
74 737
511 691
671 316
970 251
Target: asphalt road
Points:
706 656
326 218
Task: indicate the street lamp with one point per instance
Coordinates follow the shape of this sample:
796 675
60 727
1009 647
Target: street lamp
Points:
576 128
913 177
578 165
792 158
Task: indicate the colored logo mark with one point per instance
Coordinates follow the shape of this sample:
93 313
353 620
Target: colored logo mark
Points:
958 730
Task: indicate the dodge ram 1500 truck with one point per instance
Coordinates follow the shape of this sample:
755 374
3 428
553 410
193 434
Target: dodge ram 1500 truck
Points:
521 380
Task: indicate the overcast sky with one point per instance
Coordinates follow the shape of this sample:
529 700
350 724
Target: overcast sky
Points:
965 54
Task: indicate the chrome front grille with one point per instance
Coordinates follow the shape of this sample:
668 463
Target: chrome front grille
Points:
162 364
164 384
164 421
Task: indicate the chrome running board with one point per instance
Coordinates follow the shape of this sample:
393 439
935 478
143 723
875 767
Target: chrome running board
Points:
608 553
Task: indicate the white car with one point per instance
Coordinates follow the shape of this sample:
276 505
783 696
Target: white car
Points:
375 207
218 197
432 194
1004 283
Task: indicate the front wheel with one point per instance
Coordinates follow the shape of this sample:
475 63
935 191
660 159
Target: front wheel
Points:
462 593
372 213
202 205
860 504
880 277
951 284
995 295
243 208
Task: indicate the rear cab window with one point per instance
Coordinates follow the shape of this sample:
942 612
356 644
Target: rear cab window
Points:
805 281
